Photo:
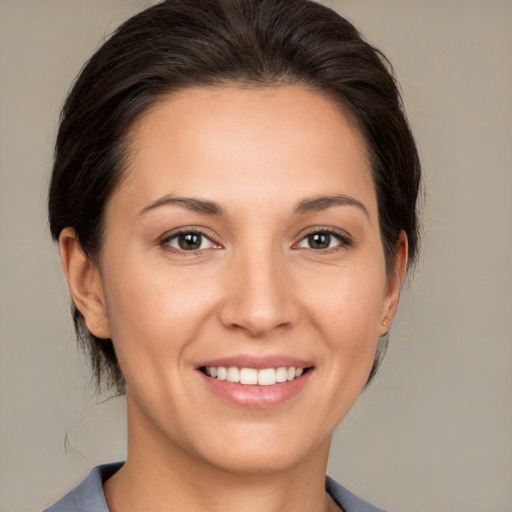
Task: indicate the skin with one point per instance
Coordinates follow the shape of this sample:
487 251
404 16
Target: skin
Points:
257 286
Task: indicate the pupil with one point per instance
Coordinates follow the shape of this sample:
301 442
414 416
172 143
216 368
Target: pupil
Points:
319 240
189 241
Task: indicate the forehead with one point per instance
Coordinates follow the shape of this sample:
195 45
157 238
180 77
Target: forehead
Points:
234 142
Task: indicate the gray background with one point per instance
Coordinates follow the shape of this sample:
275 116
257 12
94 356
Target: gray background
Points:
434 433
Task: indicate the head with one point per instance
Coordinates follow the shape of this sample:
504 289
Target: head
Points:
182 48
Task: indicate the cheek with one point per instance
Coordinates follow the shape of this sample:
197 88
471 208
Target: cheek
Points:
350 297
346 307
154 315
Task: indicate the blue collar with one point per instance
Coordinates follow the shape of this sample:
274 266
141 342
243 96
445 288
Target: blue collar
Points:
89 497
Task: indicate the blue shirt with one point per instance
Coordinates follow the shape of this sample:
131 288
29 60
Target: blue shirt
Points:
88 496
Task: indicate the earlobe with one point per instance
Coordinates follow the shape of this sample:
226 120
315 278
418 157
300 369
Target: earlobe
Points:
85 283
394 284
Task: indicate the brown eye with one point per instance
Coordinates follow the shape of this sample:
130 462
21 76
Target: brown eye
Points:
321 240
189 241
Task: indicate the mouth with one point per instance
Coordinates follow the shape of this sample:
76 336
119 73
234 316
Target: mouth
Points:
256 382
247 376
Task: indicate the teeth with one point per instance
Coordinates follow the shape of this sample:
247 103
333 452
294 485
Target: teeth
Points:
251 376
248 376
267 377
233 374
281 374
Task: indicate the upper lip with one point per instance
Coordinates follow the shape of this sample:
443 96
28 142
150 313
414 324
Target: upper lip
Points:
258 362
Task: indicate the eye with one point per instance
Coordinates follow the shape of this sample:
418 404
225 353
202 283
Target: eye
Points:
189 241
321 240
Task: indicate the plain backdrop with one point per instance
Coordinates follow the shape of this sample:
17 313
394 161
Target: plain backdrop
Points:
434 432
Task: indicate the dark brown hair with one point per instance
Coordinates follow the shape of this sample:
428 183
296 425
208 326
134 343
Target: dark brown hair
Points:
182 43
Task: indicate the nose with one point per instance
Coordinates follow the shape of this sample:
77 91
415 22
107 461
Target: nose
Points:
259 295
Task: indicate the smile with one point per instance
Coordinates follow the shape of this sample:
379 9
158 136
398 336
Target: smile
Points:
253 376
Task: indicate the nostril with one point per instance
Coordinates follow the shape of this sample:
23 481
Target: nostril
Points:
258 305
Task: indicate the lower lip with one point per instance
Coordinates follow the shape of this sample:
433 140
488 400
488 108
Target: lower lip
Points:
256 397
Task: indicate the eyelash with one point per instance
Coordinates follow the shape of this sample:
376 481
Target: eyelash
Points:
343 241
165 242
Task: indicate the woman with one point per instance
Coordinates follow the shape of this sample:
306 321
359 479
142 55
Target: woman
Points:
234 196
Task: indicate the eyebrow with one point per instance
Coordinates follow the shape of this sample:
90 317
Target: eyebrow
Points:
314 204
192 204
321 203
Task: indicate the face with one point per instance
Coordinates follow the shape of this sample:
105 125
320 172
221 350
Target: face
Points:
243 244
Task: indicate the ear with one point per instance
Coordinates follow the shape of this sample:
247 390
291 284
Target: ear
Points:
85 283
394 284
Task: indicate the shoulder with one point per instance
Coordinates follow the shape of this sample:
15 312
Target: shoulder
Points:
87 496
348 501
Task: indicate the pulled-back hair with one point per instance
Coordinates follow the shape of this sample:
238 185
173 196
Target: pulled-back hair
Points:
255 43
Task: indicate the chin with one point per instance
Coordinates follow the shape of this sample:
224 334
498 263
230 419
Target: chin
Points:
261 449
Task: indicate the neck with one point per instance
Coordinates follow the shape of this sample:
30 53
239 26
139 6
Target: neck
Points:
160 476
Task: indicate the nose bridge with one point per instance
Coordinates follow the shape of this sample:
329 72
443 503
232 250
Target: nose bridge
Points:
259 295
